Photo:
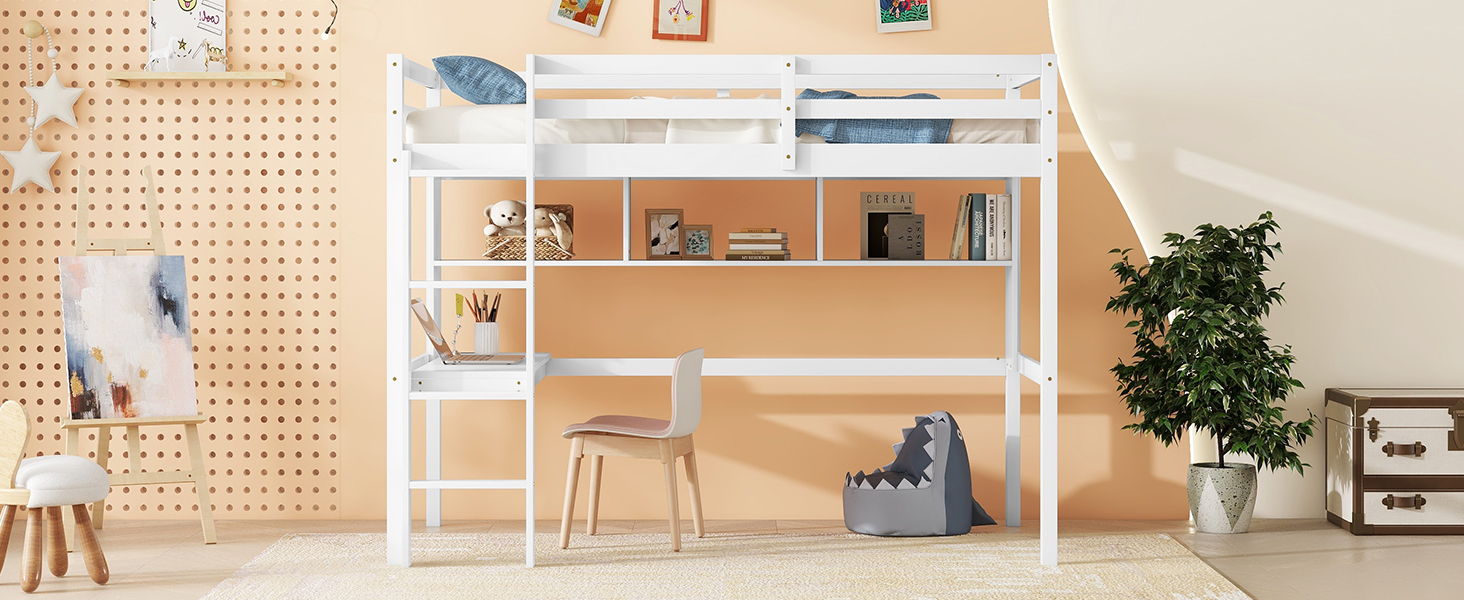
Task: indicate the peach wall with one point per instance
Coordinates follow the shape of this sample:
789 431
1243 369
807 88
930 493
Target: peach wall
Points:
769 447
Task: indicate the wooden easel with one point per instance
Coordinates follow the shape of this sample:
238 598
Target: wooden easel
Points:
198 473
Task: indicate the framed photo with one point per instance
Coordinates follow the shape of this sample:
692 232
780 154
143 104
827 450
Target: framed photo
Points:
682 20
584 16
698 244
895 16
664 236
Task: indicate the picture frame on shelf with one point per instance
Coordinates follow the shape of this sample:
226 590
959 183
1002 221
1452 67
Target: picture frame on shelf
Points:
187 36
697 242
664 235
895 16
680 20
584 16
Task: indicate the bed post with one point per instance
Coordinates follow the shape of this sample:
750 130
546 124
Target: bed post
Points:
398 359
530 378
1013 351
1048 312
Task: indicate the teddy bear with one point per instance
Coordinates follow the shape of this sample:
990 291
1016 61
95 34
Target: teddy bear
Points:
550 224
505 218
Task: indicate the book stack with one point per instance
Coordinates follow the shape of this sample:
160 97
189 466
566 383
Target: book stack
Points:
757 244
983 228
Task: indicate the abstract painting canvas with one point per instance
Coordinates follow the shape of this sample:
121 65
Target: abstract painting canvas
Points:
129 346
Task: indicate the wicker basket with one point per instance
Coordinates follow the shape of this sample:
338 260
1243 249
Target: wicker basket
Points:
511 247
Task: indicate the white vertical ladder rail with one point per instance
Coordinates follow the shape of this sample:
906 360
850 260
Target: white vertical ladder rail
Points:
398 274
530 378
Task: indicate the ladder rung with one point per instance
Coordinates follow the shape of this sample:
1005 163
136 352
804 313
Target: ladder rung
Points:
470 484
487 396
470 284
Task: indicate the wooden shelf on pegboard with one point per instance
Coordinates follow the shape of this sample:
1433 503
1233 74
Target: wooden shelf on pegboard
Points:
275 78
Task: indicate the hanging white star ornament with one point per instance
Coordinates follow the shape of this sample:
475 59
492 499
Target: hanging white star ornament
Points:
30 165
54 101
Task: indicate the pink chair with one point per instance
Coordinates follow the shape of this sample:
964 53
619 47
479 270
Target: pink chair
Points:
641 437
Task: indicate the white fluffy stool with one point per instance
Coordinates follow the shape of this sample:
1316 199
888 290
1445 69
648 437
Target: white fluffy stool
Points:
42 486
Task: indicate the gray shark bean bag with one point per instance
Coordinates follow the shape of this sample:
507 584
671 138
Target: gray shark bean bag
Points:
926 491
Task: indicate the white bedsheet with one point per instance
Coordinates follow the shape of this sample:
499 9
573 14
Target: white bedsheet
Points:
504 124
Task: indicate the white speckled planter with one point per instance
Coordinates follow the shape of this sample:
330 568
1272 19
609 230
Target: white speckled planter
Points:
1221 498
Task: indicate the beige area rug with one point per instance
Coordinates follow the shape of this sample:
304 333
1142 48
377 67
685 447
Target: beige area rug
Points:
770 565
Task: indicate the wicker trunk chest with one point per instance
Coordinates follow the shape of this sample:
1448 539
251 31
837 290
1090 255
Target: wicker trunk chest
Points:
1395 460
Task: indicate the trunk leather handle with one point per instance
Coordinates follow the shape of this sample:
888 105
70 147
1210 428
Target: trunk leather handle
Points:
1456 437
1415 501
1414 449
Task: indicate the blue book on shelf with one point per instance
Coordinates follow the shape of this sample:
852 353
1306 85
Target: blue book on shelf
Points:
978 227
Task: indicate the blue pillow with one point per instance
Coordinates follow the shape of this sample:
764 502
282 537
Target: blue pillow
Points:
480 81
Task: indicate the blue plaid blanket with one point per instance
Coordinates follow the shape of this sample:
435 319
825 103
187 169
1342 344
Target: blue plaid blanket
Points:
874 131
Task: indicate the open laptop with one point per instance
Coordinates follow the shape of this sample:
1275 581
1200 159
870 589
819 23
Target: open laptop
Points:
444 351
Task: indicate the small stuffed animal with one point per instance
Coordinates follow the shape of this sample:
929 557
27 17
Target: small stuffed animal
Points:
550 224
505 218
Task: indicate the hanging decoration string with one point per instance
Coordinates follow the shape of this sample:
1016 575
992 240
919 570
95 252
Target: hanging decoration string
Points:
335 11
30 69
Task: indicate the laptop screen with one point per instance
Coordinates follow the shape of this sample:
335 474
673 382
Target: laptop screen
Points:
429 326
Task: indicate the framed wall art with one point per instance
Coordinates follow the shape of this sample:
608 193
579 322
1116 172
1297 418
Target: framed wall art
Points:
895 16
681 20
584 16
664 239
187 36
698 244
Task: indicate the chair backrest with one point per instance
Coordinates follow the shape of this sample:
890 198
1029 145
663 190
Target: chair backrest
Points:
14 430
686 394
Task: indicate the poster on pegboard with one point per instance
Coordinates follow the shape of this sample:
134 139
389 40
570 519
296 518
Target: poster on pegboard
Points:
187 36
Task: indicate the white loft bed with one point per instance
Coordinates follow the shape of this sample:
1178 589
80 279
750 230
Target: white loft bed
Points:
780 78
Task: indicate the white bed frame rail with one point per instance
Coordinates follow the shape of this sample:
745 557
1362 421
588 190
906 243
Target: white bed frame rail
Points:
717 77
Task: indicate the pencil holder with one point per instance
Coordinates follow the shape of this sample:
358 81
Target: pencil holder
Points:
485 338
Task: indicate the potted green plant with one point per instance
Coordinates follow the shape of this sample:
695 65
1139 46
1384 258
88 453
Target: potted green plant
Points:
1202 361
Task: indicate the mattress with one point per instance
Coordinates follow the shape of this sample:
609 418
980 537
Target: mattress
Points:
504 124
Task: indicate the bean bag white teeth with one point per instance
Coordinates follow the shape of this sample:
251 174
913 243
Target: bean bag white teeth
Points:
925 491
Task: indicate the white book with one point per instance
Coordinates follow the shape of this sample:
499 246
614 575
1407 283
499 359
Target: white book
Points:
747 235
992 242
1004 210
756 247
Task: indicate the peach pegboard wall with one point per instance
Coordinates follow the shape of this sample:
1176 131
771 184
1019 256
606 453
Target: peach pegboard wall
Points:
247 175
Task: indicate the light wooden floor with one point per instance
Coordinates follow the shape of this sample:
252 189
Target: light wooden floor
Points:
1278 560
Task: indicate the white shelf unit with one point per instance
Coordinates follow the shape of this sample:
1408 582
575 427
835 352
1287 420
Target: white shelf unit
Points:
785 160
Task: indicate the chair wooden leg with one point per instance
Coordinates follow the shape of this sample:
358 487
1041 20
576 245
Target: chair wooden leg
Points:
668 462
91 549
55 542
7 521
597 463
30 568
694 484
571 481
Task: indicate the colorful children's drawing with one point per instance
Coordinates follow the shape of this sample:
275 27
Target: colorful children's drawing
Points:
584 16
187 35
684 20
903 15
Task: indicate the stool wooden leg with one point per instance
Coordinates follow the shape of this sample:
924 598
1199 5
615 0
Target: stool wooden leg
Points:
597 462
571 481
668 462
694 483
55 542
7 521
91 549
200 483
30 568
